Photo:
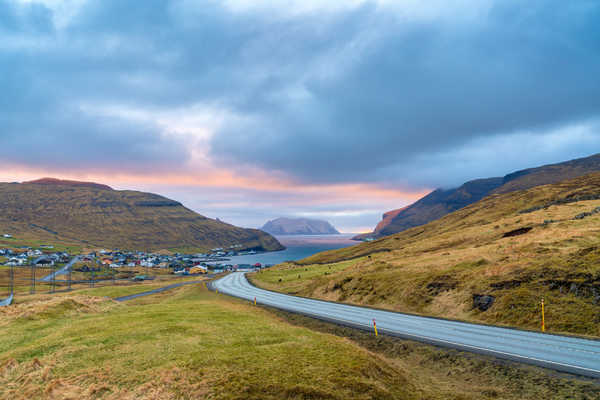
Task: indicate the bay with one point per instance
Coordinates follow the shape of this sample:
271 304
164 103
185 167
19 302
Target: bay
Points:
297 248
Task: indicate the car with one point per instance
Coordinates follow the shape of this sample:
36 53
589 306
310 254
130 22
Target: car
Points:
142 278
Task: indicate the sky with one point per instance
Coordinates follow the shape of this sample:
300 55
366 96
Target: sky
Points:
248 110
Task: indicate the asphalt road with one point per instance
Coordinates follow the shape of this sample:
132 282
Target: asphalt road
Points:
562 353
64 270
6 302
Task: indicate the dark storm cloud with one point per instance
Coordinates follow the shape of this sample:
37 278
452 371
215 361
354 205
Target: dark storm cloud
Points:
46 77
56 81
358 93
428 87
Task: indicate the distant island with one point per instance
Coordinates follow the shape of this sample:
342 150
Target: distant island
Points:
299 226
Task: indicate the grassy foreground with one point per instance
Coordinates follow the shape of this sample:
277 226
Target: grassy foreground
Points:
514 248
190 343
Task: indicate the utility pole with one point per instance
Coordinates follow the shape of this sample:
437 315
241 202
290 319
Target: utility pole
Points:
53 269
12 280
32 289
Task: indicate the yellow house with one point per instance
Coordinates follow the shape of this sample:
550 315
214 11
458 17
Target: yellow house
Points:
198 270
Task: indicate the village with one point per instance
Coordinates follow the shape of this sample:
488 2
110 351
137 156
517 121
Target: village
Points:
214 261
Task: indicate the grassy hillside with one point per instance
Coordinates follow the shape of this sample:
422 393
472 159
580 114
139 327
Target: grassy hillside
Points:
445 268
441 202
97 216
191 344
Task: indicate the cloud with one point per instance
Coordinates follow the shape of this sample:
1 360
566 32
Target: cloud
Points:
384 97
406 88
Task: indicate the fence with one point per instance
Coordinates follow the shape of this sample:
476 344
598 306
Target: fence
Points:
26 280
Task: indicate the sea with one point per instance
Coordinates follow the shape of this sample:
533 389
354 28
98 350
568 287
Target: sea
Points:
297 248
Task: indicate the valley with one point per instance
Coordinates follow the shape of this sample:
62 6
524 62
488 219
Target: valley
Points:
490 262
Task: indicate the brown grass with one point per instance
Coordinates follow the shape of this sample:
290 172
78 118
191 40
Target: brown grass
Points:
77 217
436 269
191 344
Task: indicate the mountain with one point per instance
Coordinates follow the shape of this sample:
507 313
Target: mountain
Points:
299 226
491 262
441 202
386 220
64 182
92 215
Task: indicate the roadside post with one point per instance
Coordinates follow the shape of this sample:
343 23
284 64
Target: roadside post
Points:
69 277
255 301
375 327
543 319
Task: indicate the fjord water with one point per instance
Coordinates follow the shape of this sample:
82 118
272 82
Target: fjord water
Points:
297 248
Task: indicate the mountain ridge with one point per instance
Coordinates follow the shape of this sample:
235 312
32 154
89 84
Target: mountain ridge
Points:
66 182
91 215
441 202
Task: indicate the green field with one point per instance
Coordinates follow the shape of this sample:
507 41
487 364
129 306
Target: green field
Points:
189 343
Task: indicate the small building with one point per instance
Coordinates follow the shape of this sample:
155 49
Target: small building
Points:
43 261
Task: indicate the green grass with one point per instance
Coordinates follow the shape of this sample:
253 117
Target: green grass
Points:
29 240
290 278
119 291
188 344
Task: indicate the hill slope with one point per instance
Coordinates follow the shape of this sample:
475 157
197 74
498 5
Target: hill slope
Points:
65 182
491 261
441 202
299 226
92 215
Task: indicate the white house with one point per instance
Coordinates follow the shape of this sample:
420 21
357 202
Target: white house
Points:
7 236
15 261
